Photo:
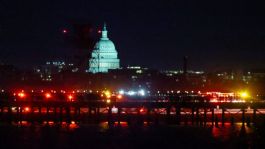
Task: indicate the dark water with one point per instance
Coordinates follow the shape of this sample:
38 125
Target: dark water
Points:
75 136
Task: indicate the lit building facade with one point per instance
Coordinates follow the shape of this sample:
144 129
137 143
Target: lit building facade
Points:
104 55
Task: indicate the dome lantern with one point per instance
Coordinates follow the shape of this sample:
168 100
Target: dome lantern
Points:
104 33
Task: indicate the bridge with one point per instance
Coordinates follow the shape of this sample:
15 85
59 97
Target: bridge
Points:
132 113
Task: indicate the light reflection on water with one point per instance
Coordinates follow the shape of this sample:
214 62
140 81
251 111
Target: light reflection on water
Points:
227 131
220 132
64 134
63 125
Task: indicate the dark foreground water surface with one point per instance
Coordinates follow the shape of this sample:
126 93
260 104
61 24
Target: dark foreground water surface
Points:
125 137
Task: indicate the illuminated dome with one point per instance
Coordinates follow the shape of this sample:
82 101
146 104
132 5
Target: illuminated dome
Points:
105 45
104 56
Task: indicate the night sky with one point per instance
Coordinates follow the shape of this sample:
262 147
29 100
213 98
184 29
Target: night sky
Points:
157 33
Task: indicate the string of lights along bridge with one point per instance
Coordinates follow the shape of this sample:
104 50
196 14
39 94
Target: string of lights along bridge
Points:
131 108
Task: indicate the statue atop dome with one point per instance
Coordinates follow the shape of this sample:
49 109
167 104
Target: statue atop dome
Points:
104 33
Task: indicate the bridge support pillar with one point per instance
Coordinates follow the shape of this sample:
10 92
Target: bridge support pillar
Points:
110 120
148 116
55 115
61 114
248 121
168 115
1 113
89 111
156 117
178 115
68 115
232 121
205 116
97 115
55 111
197 116
192 115
254 116
10 116
223 117
18 114
47 117
216 121
139 117
76 113
243 117
212 116
39 115
89 114
47 110
31 115
119 116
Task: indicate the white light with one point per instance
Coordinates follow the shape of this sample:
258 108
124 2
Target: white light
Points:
131 93
141 92
114 110
121 92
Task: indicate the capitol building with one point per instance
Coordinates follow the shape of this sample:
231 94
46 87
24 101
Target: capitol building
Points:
104 55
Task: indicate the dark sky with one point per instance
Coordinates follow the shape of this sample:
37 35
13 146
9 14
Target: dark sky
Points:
153 33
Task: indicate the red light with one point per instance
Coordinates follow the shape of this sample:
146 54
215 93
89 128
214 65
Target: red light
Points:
65 31
99 31
48 95
142 110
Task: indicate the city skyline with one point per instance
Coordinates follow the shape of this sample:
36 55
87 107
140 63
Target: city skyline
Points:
151 34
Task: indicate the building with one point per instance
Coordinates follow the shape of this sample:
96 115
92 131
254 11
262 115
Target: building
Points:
50 68
104 55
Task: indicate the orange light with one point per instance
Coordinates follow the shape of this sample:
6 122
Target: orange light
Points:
107 93
21 95
108 100
48 95
27 109
70 97
119 96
